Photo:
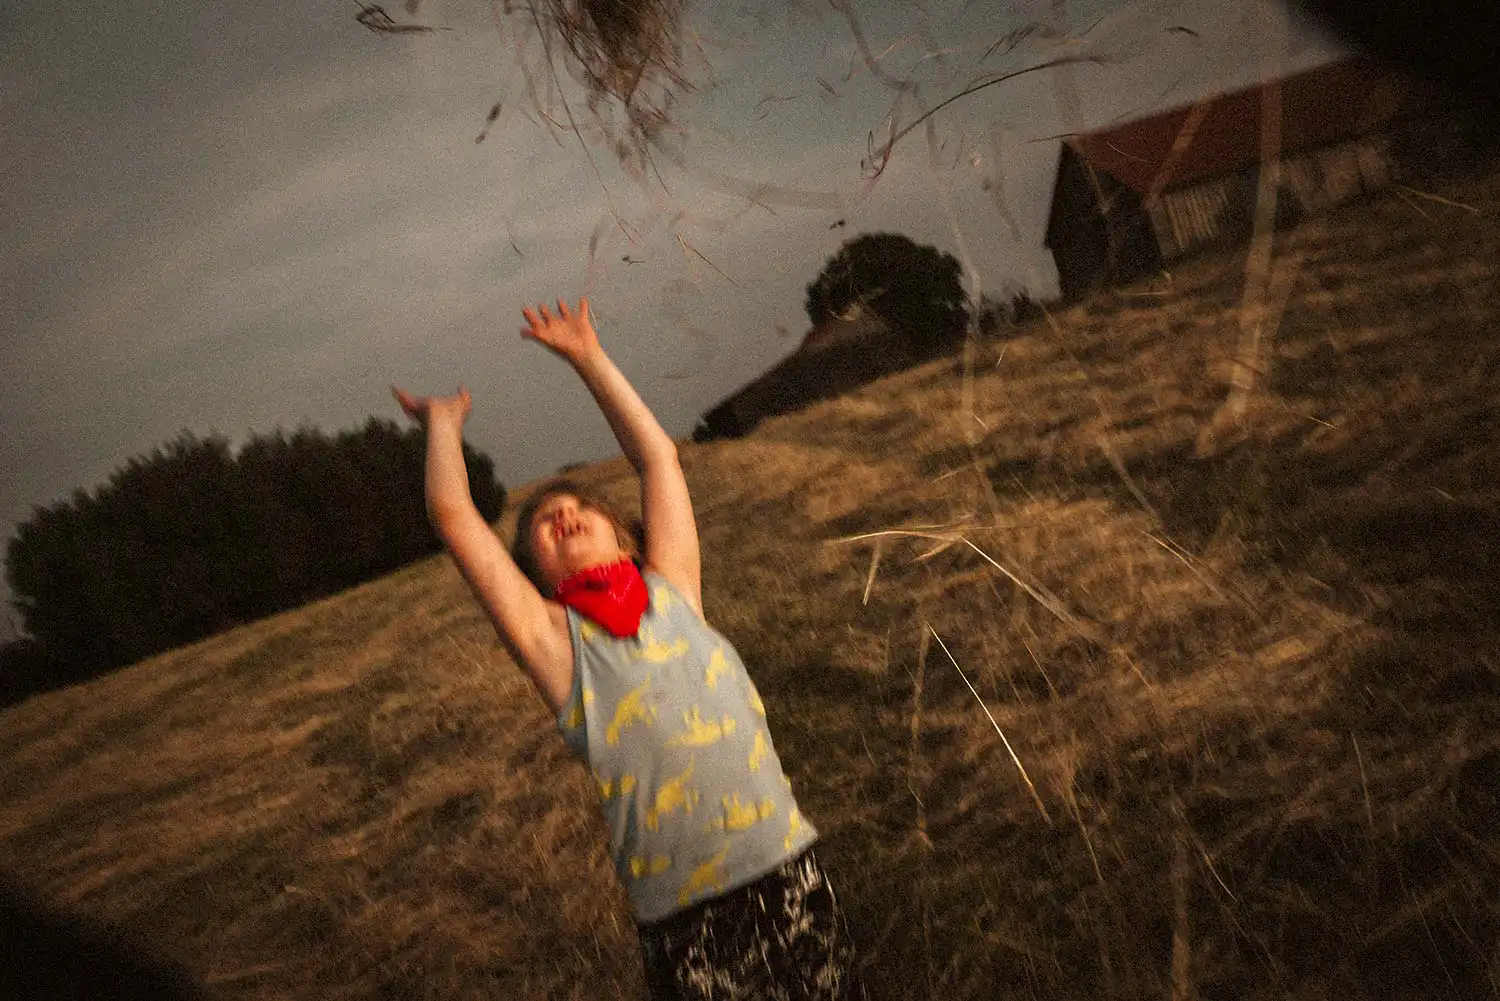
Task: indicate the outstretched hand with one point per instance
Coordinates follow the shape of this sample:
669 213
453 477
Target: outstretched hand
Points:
568 333
423 408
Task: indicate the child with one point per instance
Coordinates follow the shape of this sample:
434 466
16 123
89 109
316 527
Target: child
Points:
729 899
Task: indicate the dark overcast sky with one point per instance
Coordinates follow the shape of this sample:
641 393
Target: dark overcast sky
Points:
232 217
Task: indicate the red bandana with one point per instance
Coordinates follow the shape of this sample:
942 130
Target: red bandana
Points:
611 594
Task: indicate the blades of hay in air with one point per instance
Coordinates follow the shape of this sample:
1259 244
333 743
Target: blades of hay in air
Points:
942 545
1013 757
1037 591
875 552
689 247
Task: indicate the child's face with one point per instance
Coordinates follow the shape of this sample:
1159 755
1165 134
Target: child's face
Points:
567 536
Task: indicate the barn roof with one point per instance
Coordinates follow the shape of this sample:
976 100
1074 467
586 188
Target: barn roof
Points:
1323 105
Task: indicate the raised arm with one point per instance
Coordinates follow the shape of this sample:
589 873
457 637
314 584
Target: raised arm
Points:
666 509
533 629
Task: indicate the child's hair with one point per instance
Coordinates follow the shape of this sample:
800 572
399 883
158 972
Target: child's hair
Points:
629 533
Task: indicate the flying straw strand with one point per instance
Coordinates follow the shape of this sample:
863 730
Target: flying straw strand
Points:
1037 591
1019 767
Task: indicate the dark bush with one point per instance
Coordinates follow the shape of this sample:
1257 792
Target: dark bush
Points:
194 538
915 289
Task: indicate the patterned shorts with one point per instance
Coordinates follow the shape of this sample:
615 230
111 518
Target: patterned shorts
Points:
782 936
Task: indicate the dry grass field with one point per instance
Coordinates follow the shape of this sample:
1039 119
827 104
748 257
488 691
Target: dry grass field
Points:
1245 693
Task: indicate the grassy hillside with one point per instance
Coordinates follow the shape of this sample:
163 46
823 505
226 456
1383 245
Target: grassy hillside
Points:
1245 695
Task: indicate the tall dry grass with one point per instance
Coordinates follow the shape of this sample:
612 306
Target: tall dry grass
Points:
1084 705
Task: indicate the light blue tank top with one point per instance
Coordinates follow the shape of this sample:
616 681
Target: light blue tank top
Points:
675 734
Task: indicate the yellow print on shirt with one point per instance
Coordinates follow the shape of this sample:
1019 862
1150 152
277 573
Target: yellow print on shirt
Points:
631 708
607 786
653 651
663 598
575 715
717 665
758 750
699 733
738 816
669 796
708 877
756 703
586 629
794 827
658 864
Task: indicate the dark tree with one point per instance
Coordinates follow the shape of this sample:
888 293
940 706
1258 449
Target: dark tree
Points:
24 670
192 539
913 288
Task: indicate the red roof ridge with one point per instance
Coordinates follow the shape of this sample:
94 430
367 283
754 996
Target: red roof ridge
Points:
1221 133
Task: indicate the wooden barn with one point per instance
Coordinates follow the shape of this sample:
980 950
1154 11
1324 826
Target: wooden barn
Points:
833 358
1130 199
